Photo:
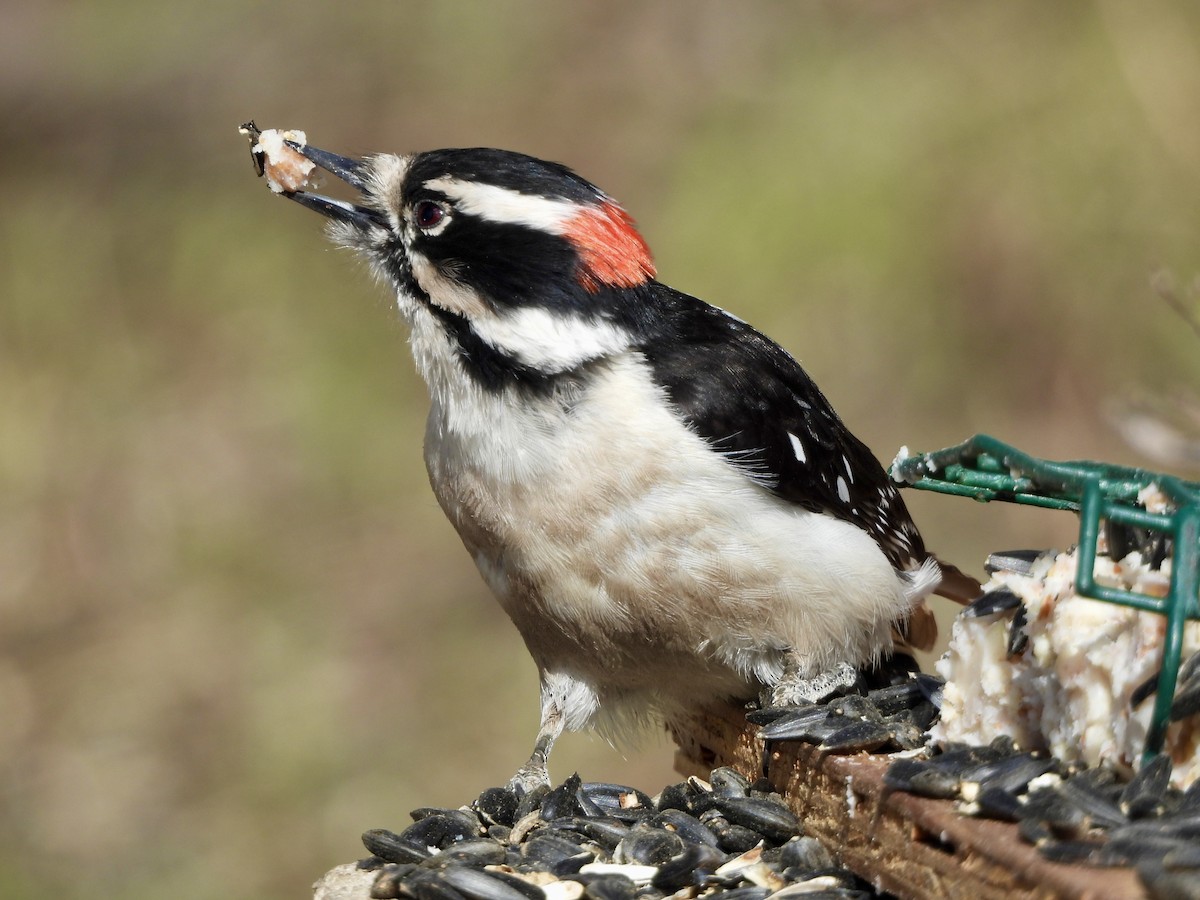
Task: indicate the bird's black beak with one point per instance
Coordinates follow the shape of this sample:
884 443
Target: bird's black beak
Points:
352 171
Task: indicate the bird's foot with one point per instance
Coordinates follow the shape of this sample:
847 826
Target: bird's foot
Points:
794 690
529 776
534 773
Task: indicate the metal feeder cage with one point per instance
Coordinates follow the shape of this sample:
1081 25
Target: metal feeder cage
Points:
985 469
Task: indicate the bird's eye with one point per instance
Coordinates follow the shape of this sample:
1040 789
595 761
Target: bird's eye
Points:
428 214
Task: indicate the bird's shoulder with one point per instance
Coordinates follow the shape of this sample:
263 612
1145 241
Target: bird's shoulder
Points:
754 403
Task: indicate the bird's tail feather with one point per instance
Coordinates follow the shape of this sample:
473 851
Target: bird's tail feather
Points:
919 631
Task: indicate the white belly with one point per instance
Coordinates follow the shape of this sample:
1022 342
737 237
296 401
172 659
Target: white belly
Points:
634 559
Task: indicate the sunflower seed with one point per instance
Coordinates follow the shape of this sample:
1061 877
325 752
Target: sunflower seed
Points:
796 725
648 846
1162 884
771 819
1010 774
554 853
891 700
1187 696
425 884
497 806
990 603
857 737
532 801
563 800
475 884
1052 809
730 838
616 800
997 804
855 706
612 886
388 881
472 852
804 853
528 889
1144 794
393 848
690 868
727 782
604 830
686 826
1018 637
1019 562
1093 802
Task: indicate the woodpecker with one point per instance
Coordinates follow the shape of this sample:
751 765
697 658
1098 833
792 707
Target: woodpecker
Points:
659 496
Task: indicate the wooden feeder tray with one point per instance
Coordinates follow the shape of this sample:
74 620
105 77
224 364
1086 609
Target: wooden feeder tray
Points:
909 846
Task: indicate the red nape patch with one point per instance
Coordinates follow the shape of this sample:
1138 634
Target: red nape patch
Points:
611 252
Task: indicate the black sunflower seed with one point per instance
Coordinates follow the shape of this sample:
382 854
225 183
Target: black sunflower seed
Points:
727 782
392 847
1018 637
686 826
889 701
860 736
497 806
616 800
648 846
475 884
796 725
804 853
612 886
771 819
426 884
1019 562
990 603
1146 791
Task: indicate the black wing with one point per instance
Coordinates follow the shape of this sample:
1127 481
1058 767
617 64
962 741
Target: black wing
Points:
751 400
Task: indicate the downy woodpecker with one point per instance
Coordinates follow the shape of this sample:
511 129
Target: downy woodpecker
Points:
661 499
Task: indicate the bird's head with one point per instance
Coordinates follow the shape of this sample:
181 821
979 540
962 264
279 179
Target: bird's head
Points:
527 268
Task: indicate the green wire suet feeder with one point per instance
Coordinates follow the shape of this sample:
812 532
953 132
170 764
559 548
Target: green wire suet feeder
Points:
985 469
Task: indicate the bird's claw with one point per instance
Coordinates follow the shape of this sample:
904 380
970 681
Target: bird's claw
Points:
793 690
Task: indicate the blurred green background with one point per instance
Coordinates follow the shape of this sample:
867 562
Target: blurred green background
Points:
235 630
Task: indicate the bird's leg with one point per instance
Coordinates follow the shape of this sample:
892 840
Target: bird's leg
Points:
795 687
534 774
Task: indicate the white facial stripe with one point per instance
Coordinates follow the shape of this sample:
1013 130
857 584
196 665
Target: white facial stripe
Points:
504 206
532 336
538 337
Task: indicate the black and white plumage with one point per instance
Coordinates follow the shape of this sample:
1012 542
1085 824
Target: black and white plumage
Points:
663 501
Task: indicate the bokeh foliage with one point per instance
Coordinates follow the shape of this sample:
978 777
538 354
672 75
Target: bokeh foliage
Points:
235 630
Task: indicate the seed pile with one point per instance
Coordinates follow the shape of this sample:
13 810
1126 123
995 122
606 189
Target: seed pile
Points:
731 838
1072 815
609 842
885 720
